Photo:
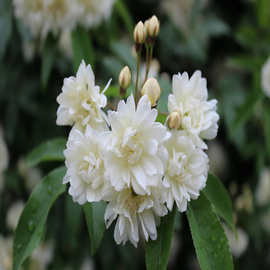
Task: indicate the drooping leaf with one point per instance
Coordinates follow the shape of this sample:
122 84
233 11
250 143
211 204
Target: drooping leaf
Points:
158 251
208 236
217 194
82 48
5 24
48 151
31 224
94 214
48 56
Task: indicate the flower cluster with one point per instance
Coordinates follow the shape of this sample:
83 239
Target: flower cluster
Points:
124 157
44 16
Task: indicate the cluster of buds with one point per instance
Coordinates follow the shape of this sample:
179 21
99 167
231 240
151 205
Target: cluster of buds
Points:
147 31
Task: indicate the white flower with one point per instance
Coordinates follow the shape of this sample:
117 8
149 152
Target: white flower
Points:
135 214
88 264
180 11
81 101
262 193
135 151
189 98
266 77
44 16
5 253
41 256
186 171
65 44
14 213
218 158
31 176
94 11
3 158
238 244
85 166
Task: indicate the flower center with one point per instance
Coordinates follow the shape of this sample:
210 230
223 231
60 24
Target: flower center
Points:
176 163
130 147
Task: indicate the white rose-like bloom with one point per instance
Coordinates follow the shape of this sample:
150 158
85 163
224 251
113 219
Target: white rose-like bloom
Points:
14 213
44 16
135 214
3 158
135 153
266 78
186 171
262 193
239 244
85 166
189 98
81 101
94 11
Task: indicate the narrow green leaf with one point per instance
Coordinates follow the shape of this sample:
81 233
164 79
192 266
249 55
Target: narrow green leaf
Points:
82 48
125 16
48 151
158 251
208 236
48 56
217 194
94 214
5 24
31 224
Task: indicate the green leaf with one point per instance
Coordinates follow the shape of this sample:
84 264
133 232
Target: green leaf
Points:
217 194
31 224
5 24
123 12
82 48
263 10
208 236
94 214
158 251
48 151
113 91
266 114
48 56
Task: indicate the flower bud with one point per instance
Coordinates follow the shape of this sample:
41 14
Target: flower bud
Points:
146 25
139 33
152 89
174 120
153 27
124 78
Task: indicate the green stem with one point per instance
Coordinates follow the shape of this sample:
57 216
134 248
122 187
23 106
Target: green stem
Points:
137 74
148 61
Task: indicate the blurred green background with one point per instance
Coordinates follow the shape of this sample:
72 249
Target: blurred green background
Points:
229 41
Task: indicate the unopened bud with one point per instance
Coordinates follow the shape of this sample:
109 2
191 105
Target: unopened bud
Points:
146 26
153 27
174 120
152 89
139 33
124 78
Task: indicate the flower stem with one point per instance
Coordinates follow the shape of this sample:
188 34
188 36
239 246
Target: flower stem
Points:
137 73
149 55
